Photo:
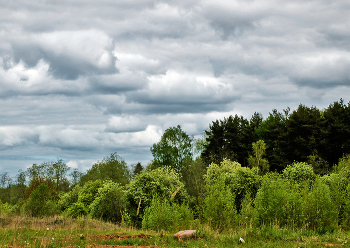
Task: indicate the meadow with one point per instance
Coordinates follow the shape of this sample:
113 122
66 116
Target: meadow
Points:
57 231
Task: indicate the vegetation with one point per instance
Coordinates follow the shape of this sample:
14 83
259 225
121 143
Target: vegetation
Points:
282 178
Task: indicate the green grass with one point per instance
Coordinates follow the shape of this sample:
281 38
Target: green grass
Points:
59 232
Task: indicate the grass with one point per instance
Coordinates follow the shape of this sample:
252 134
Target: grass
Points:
57 231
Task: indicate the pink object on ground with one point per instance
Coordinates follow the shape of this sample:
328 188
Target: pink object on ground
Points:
184 234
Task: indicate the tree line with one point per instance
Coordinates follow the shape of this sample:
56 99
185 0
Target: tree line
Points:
239 166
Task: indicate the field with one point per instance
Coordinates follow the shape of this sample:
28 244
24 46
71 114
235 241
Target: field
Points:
85 232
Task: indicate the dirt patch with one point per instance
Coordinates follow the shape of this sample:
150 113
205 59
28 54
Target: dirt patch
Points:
118 236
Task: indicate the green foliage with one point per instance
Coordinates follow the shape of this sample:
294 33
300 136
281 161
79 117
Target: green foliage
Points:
137 169
41 180
69 198
320 210
279 202
165 215
230 138
88 192
112 168
192 176
41 202
76 210
6 209
343 164
257 161
174 147
109 202
299 172
162 181
240 180
219 206
282 202
50 170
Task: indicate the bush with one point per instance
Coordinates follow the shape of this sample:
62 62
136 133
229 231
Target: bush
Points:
219 206
6 208
76 210
241 181
282 202
164 215
69 198
41 202
279 202
320 210
299 172
88 192
109 203
162 182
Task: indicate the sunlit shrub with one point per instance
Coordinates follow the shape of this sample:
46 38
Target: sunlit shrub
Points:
165 215
88 192
239 180
69 198
162 182
109 202
76 210
219 206
299 172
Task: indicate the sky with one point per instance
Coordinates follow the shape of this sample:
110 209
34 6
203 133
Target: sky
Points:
80 79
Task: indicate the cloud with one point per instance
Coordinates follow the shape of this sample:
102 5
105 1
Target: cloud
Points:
82 79
69 54
119 124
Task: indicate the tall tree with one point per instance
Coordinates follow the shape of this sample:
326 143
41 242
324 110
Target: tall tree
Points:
230 138
173 149
256 160
58 170
272 130
305 134
113 167
337 117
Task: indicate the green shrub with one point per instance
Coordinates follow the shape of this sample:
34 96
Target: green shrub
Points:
299 172
278 202
76 210
88 192
6 208
320 210
162 182
41 202
239 180
69 198
109 203
164 215
219 206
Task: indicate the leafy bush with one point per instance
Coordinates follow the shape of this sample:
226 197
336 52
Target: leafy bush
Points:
219 206
76 210
164 215
109 203
69 198
239 180
41 202
282 202
6 208
88 192
299 172
320 210
278 202
162 182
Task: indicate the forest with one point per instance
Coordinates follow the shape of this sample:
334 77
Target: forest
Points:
291 169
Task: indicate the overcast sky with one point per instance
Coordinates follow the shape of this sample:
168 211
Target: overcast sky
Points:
80 79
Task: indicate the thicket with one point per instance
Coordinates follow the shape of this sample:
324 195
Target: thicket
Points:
288 170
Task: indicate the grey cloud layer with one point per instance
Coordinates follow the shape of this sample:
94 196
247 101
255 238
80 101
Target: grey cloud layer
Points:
98 76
